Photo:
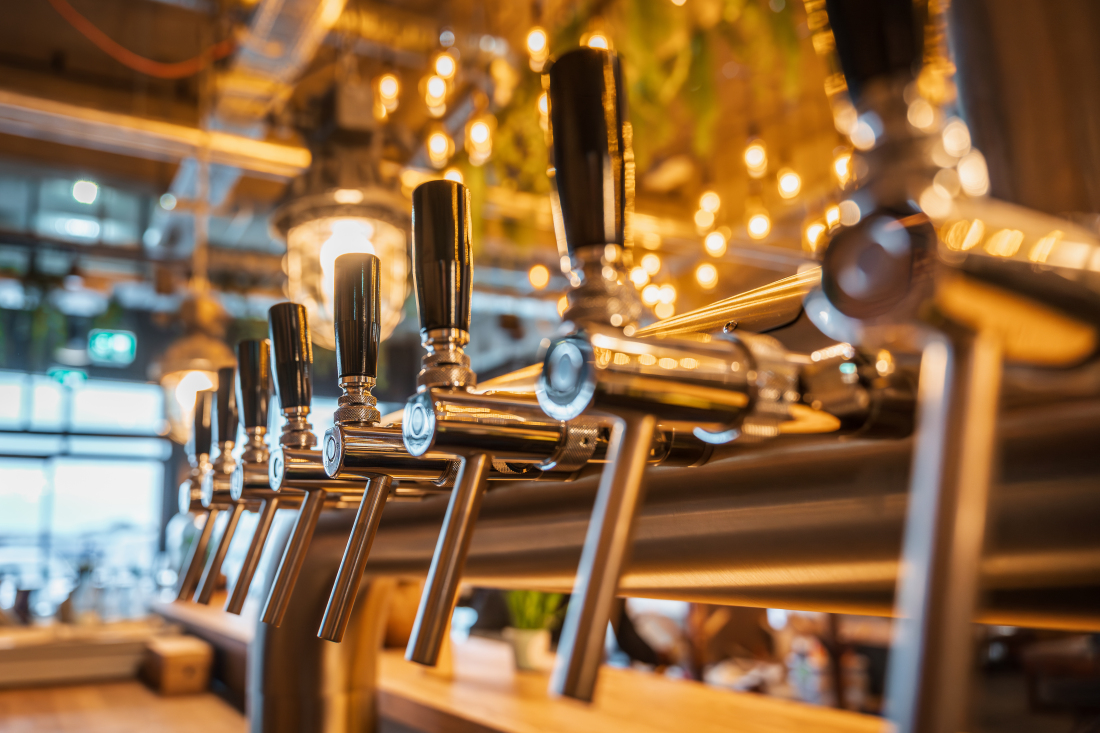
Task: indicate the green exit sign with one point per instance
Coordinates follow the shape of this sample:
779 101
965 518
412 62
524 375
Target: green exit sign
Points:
111 348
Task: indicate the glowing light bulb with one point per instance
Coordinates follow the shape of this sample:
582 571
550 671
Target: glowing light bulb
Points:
440 147
639 277
706 275
563 303
704 219
850 213
651 263
842 167
437 143
814 232
832 216
539 276
479 133
664 310
956 138
759 225
445 65
921 114
756 159
436 90
710 201
667 293
651 294
715 244
537 42
388 89
789 183
597 40
974 174
544 104
453 174
189 386
349 236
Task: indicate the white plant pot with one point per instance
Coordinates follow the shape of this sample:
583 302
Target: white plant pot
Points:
531 648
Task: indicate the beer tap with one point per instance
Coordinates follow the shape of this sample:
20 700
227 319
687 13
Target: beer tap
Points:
190 495
216 483
719 389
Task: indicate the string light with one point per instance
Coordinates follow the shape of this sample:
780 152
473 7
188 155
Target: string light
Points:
850 213
956 138
597 40
544 111
388 89
842 167
445 65
710 201
440 148
756 159
715 244
1005 243
663 310
706 275
814 232
704 219
539 276
789 183
651 294
667 293
832 216
973 174
479 138
639 277
538 46
921 114
759 225
651 263
454 174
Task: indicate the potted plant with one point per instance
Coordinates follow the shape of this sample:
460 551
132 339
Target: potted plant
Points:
533 614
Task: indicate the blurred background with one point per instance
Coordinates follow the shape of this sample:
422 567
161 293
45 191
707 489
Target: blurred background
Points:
169 169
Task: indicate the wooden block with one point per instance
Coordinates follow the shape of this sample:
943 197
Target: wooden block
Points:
177 665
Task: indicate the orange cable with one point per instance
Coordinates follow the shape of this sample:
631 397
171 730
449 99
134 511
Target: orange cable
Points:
124 56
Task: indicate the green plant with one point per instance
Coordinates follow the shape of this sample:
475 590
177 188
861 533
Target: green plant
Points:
532 609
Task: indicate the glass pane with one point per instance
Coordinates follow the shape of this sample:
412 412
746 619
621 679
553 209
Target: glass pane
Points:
98 496
154 448
11 400
118 407
47 410
22 483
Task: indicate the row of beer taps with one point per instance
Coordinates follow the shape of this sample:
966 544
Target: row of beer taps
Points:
616 398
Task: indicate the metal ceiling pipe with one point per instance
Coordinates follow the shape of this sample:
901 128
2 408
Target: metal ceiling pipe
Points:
813 526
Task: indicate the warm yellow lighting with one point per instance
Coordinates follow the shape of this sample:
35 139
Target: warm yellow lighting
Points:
1004 243
832 216
710 201
537 42
454 174
647 359
544 104
706 275
715 244
678 3
667 293
639 277
440 148
597 40
189 385
349 236
789 183
651 263
973 236
814 232
921 114
479 133
539 276
1042 249
756 159
689 363
651 240
651 294
704 219
863 135
956 138
435 90
388 87
759 225
85 192
973 174
445 65
850 213
935 203
666 362
620 358
563 303
662 310
947 182
348 196
842 167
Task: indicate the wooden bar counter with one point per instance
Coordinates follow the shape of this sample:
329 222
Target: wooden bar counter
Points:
481 694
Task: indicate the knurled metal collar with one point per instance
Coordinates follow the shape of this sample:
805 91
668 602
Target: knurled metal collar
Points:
357 404
581 437
446 363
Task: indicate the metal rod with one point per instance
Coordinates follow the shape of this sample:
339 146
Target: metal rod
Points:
295 553
762 309
606 546
929 665
209 581
433 617
252 557
193 565
348 578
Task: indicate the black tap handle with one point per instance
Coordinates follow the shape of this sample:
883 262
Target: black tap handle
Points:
253 382
442 271
201 434
877 38
358 307
291 354
587 117
224 422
